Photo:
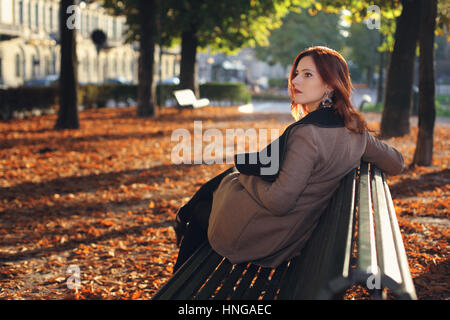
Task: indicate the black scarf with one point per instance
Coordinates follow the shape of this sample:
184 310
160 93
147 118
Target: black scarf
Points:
322 117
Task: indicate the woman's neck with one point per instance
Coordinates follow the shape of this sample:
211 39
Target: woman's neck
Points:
313 106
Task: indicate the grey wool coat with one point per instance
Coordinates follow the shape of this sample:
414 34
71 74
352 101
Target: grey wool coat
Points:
269 222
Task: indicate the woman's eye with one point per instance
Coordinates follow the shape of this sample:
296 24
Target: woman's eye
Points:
307 74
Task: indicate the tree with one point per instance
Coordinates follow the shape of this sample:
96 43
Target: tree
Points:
223 26
68 102
419 20
427 110
397 108
298 31
146 88
145 22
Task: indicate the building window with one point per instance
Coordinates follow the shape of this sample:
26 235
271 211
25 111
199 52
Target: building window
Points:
51 18
36 15
48 69
54 63
17 65
21 13
44 18
33 66
29 14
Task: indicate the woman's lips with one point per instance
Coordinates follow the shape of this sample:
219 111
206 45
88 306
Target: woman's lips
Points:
297 91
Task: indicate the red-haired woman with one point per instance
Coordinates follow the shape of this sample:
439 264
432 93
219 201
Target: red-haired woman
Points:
249 217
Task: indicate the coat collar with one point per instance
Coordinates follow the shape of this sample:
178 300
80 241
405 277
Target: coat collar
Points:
322 117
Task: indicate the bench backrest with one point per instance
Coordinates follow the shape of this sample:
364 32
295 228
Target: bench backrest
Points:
185 97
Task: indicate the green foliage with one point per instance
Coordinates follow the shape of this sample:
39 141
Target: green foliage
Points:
96 96
230 92
299 31
443 99
279 83
223 26
27 98
93 95
373 107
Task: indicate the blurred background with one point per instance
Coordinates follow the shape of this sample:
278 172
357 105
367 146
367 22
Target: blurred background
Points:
247 47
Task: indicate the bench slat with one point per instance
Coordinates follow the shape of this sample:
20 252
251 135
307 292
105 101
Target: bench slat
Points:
287 287
408 290
200 276
386 249
230 281
216 279
261 283
183 273
274 284
367 259
245 282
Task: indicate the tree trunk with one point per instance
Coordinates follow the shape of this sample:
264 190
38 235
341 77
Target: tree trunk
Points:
68 102
423 154
146 88
397 108
188 64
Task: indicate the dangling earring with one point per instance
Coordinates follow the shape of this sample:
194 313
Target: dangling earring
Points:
326 101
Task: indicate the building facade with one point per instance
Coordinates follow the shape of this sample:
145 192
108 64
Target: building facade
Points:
29 44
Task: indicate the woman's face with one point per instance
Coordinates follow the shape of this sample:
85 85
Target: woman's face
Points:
308 84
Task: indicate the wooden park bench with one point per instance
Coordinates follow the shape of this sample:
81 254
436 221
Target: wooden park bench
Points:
357 241
186 98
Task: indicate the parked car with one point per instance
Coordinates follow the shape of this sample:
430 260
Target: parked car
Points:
120 80
171 80
43 82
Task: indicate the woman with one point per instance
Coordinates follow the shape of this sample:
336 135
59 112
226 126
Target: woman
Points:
247 217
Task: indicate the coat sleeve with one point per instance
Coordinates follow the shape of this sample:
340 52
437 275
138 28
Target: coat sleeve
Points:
385 157
280 196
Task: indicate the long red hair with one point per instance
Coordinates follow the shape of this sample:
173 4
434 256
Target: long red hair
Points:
333 69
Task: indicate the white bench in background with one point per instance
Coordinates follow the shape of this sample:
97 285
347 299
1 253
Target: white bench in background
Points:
186 98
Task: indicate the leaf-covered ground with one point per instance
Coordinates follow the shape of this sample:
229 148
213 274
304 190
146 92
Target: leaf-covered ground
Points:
100 200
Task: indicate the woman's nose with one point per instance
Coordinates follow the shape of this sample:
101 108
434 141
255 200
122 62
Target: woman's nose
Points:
296 80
